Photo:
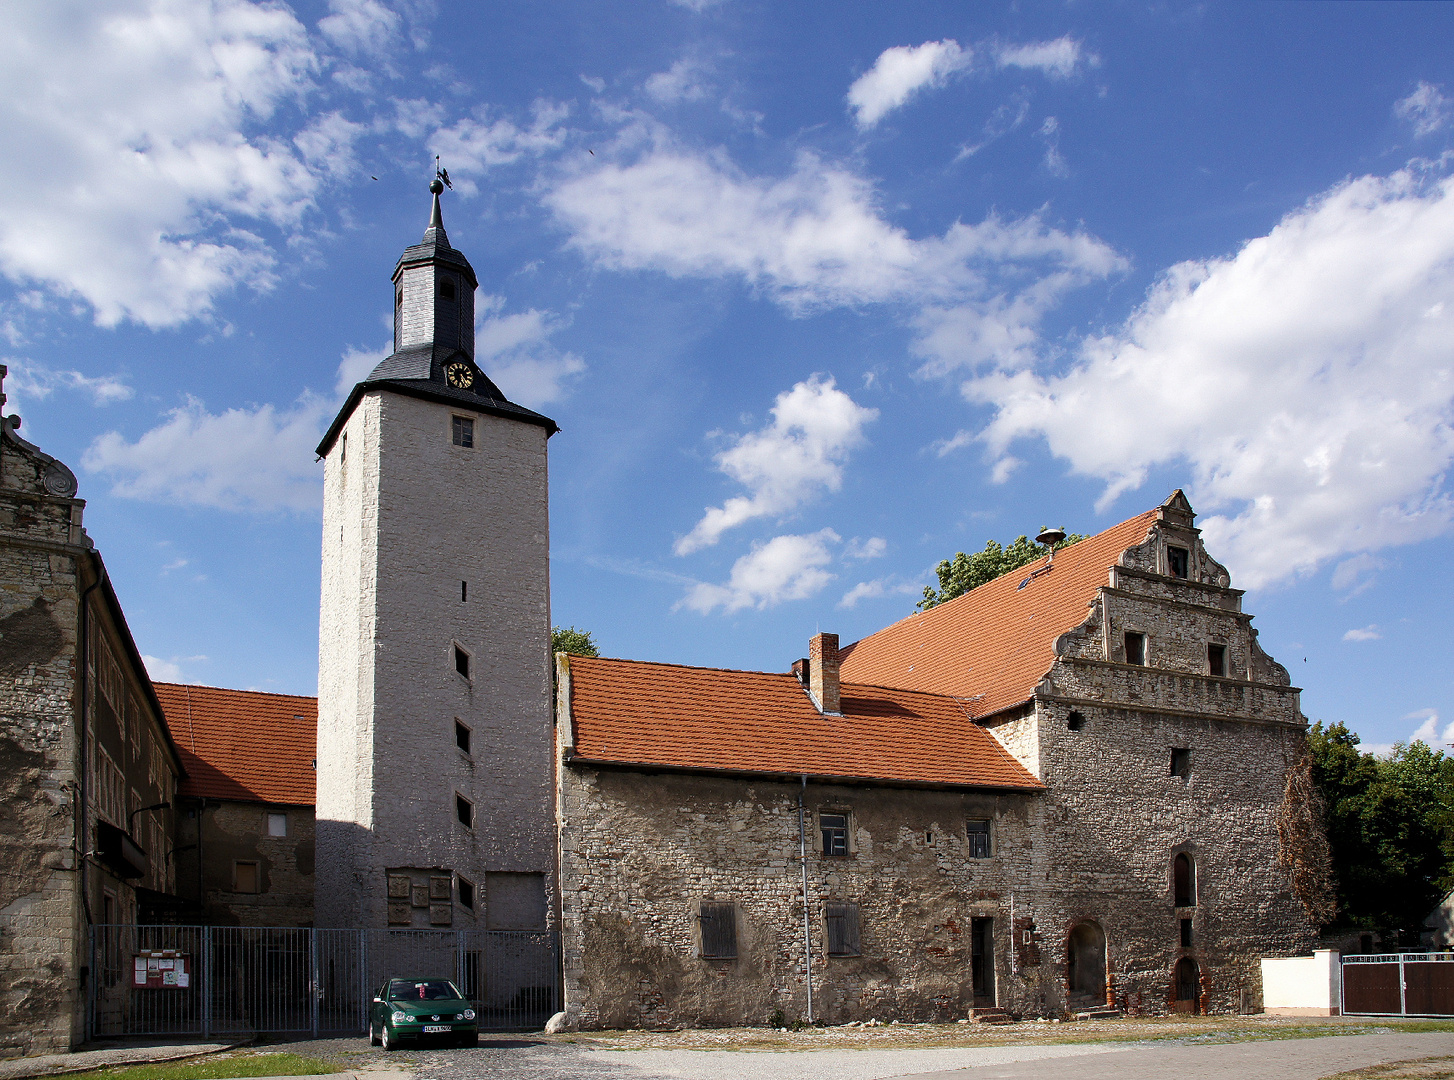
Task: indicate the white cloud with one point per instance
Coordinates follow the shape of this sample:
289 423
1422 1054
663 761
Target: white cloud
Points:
477 144
816 238
31 380
1305 383
1357 574
862 550
327 144
685 80
1366 633
784 568
873 590
355 365
254 459
515 351
1427 109
698 6
1428 731
162 670
901 72
365 28
133 149
798 454
1058 58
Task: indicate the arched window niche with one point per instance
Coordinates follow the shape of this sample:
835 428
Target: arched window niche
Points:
1184 880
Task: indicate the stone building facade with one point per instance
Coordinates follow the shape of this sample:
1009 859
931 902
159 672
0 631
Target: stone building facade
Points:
87 767
1136 863
434 727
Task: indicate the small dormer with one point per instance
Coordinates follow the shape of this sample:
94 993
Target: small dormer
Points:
1179 548
434 291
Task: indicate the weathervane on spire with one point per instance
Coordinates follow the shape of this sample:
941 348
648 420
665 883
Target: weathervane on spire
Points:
442 174
437 185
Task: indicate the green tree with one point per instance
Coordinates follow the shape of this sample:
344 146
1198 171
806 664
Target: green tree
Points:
568 639
964 572
1390 826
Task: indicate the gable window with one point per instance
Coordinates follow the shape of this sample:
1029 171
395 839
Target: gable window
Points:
277 824
466 894
244 877
841 921
464 810
1183 880
1216 659
462 736
979 838
1178 560
719 930
461 661
464 431
835 833
1135 648
1180 761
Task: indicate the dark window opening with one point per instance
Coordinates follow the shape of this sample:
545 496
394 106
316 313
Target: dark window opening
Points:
462 736
982 960
1178 559
929 839
1180 762
464 591
446 289
1075 721
1186 933
461 661
835 833
1135 648
979 839
1217 659
842 926
1183 880
719 931
464 811
464 431
466 894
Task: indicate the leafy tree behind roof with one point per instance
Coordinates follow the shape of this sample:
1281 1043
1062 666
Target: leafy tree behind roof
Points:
568 639
965 572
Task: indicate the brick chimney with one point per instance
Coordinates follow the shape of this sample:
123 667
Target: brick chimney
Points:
823 672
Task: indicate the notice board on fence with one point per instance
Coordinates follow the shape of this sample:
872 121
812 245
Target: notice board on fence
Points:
161 969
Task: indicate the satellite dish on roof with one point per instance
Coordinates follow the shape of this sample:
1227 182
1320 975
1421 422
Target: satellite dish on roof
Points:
1050 537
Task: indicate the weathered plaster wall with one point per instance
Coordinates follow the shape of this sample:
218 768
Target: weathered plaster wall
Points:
235 832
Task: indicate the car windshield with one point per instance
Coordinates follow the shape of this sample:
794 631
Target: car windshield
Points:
422 990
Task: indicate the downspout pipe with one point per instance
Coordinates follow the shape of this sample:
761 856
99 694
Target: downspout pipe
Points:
807 919
83 631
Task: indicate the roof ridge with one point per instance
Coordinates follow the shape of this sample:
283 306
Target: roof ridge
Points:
188 687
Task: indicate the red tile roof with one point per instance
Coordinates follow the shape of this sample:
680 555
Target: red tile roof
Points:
992 645
244 745
638 713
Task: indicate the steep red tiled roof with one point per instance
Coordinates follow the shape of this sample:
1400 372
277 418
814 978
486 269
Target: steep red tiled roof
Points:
241 744
633 712
992 645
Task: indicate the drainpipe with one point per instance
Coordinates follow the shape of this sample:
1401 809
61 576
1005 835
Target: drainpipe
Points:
83 631
807 922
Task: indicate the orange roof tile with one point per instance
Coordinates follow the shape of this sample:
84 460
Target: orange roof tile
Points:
992 645
639 713
244 745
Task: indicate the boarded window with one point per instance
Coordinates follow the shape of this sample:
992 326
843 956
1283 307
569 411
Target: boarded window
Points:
1181 762
1183 880
1135 648
719 930
835 833
461 661
842 925
462 736
1178 560
1216 659
979 838
244 877
464 431
464 811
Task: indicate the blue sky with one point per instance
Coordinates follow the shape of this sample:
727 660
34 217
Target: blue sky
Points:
819 295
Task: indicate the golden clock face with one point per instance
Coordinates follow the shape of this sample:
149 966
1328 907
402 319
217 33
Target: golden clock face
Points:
459 375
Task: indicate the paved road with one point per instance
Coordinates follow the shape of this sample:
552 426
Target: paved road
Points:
1282 1059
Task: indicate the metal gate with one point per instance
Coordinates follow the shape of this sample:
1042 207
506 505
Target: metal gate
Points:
227 980
1398 984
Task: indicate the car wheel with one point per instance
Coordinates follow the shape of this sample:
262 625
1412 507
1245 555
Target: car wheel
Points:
385 1040
373 1035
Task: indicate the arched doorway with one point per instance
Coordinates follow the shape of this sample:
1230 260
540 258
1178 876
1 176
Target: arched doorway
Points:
1086 950
1188 986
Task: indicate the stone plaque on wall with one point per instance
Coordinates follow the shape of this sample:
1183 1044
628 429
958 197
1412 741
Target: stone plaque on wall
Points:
399 914
441 914
439 890
419 895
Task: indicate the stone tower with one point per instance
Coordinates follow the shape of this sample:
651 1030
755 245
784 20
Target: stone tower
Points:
434 686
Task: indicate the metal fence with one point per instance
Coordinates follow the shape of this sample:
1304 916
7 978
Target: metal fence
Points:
1398 984
227 980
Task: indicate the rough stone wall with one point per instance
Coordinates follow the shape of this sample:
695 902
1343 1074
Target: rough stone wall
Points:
235 832
441 514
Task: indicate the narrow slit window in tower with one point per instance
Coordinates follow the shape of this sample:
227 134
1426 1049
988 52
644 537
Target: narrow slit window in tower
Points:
464 810
461 661
462 736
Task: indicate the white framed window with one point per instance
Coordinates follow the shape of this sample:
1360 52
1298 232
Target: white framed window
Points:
278 824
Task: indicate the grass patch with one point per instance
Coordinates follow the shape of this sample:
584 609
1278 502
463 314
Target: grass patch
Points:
216 1067
1436 1068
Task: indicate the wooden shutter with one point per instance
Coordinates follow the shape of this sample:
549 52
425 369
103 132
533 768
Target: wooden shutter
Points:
719 931
842 920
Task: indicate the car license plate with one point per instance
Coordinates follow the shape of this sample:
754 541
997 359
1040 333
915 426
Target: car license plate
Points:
436 1029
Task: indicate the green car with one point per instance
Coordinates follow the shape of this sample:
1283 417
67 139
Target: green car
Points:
417 1009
